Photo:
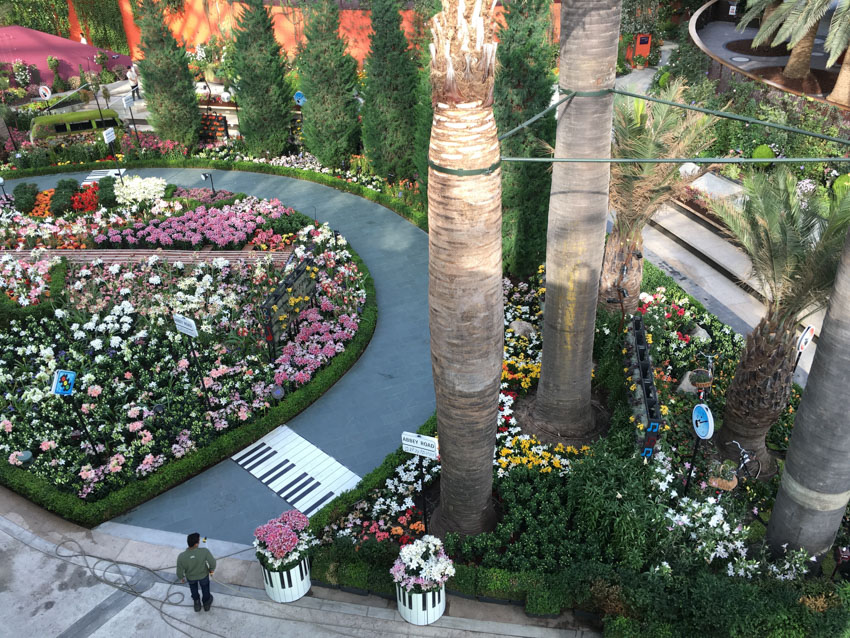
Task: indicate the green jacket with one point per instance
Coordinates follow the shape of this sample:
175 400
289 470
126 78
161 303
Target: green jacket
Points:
195 564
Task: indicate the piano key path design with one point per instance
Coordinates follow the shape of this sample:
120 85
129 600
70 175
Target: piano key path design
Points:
296 470
95 176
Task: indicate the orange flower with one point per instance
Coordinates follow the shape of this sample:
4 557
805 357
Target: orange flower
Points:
396 531
418 526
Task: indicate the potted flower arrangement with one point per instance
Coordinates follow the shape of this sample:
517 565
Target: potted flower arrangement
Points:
282 549
640 62
701 378
722 475
420 573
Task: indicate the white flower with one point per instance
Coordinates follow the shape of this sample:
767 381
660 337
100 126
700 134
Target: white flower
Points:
97 344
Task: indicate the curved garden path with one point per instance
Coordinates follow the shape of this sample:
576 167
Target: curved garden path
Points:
361 418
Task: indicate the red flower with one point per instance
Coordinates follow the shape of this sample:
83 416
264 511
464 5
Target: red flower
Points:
680 312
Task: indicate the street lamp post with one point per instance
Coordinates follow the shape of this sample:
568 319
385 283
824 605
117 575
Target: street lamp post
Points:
208 176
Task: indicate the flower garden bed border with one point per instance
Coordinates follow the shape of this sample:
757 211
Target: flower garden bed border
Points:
43 493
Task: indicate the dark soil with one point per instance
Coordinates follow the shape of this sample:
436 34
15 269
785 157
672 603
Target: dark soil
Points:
745 47
817 82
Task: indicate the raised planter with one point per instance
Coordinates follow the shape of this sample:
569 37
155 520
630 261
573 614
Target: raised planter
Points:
289 585
421 609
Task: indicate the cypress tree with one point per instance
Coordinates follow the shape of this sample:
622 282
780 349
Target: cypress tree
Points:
264 92
169 87
424 10
524 87
390 94
328 78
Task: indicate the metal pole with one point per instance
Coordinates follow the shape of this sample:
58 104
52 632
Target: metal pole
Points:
424 504
691 471
117 168
98 105
11 137
136 128
199 373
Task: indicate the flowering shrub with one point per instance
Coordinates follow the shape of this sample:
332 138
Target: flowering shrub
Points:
422 565
147 145
142 404
135 189
23 282
86 199
282 542
203 195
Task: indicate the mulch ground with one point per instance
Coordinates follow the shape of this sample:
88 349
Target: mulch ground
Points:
745 47
817 82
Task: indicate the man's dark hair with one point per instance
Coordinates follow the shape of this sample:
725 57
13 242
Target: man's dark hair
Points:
193 539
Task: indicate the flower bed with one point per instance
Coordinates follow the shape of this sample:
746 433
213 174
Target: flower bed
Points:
598 527
138 404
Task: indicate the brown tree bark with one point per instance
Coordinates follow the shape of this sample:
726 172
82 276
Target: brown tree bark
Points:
621 252
758 393
799 64
841 91
578 212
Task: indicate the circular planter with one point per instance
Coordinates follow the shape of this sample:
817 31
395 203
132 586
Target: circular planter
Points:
723 484
289 585
421 609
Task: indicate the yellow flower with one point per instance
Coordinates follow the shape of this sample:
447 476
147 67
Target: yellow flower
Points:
648 338
664 410
624 351
632 418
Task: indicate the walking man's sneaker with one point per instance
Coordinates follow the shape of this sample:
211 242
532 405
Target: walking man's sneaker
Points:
197 605
207 604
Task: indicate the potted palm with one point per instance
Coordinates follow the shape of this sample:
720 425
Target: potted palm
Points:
420 573
282 548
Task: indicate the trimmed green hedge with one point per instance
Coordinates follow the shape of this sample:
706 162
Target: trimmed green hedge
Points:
43 493
416 216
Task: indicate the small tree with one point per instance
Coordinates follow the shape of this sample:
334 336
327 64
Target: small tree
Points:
390 94
169 88
328 77
265 94
524 88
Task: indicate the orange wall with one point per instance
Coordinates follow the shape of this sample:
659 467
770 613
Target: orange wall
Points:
194 26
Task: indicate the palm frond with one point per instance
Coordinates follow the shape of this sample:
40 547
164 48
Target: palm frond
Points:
838 38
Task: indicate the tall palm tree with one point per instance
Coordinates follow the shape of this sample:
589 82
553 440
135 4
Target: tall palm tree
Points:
816 481
644 130
465 262
578 211
797 22
794 245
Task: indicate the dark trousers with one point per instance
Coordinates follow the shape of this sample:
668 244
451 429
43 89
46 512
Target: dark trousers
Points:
205 589
134 93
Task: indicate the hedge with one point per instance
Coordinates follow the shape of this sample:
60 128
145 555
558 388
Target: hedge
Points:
42 126
41 492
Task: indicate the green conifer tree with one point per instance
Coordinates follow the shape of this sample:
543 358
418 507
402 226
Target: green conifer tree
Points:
424 10
168 84
328 77
524 87
264 92
389 94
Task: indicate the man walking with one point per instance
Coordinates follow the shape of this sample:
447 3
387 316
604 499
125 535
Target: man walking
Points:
133 77
197 565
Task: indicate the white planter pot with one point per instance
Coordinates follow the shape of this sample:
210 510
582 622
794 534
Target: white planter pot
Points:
287 586
421 609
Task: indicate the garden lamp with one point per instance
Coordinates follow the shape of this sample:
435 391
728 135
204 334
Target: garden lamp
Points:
3 187
208 176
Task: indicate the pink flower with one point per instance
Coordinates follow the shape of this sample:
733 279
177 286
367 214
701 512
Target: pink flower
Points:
135 426
133 412
95 390
6 424
128 375
47 445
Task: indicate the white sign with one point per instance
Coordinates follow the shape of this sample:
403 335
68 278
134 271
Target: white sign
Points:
185 325
420 445
805 339
109 135
45 92
128 101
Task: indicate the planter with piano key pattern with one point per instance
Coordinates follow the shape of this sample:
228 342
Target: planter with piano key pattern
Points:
421 609
289 585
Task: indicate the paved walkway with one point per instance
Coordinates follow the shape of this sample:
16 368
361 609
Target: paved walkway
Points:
360 419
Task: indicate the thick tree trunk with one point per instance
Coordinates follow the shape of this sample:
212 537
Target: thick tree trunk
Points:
841 91
466 311
759 392
769 9
578 211
799 64
619 253
816 482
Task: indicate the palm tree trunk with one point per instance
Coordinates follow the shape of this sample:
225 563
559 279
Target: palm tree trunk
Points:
769 9
816 482
578 210
465 281
619 254
841 91
759 392
799 64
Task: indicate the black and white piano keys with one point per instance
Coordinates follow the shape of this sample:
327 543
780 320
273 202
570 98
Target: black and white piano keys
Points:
287 586
296 470
421 609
